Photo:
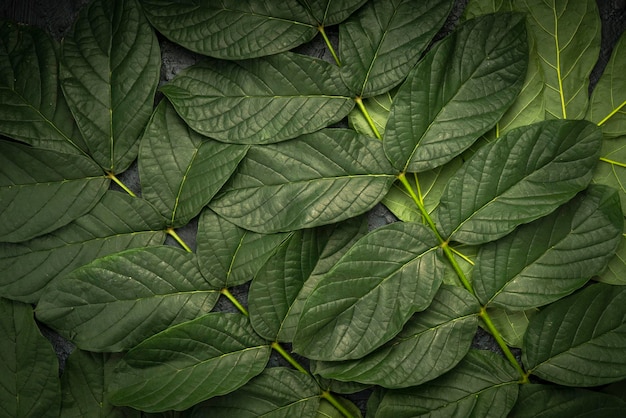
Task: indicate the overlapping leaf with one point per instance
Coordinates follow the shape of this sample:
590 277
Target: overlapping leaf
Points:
116 223
32 107
377 108
431 343
181 170
523 176
321 178
331 12
260 101
42 190
456 93
109 73
372 291
382 42
547 259
579 340
115 302
29 369
511 325
189 363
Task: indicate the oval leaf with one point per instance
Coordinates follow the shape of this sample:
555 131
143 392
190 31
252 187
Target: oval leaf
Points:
260 101
368 296
212 355
321 178
523 176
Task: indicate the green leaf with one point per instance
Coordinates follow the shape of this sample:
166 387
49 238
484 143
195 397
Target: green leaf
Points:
476 8
321 178
331 12
328 410
579 340
32 107
431 343
382 42
109 73
259 101
29 369
231 29
511 325
456 93
115 302
372 291
551 257
43 190
608 100
523 176
547 401
277 392
228 255
378 108
567 38
180 170
482 385
29 266
189 363
84 380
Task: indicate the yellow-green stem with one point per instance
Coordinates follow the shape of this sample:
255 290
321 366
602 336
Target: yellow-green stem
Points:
334 402
119 183
457 269
280 350
420 206
612 162
171 232
321 30
234 301
368 118
610 115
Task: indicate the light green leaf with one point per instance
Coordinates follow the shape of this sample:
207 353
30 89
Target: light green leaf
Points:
29 369
259 101
382 42
180 170
43 190
378 108
228 255
115 302
551 257
431 343
482 385
372 291
523 176
32 107
327 410
511 325
321 178
331 12
232 29
548 401
109 73
189 363
84 380
579 341
277 392
567 39
608 99
116 223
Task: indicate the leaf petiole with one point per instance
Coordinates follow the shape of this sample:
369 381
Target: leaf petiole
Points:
117 181
368 118
613 162
334 402
234 301
171 232
321 30
420 205
280 350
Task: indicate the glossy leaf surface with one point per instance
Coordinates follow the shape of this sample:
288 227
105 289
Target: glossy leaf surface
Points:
372 291
514 180
212 355
259 101
321 178
115 302
456 93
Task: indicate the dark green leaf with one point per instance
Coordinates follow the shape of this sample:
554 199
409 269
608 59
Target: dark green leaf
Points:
32 107
328 410
115 302
180 170
382 42
42 190
29 370
476 8
549 258
277 392
458 92
482 385
321 178
116 223
228 255
372 291
189 363
523 176
511 325
580 340
109 73
259 101
431 343
331 12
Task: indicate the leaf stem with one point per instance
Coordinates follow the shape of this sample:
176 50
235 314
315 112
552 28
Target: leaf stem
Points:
234 301
613 162
112 176
368 118
334 402
613 112
280 350
420 206
457 269
321 30
170 231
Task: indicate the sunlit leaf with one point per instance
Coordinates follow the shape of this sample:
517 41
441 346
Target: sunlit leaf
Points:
378 108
